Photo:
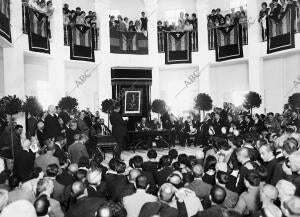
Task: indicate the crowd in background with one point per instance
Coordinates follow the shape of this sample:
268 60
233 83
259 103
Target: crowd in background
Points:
276 11
77 16
41 5
185 23
126 25
248 165
216 18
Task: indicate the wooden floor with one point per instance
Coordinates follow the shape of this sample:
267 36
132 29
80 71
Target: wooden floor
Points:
126 155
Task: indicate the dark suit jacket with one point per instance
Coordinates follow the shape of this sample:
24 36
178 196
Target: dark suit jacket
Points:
122 190
113 180
24 164
58 191
59 153
152 188
214 211
119 128
65 178
86 207
163 210
162 175
51 126
41 136
150 166
99 193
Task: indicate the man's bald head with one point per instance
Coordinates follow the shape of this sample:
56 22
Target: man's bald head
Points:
73 168
217 194
78 189
133 174
166 192
198 171
268 193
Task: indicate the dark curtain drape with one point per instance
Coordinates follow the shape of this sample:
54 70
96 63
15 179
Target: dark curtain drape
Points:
132 79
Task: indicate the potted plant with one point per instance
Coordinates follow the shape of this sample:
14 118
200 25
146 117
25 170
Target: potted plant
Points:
11 105
252 100
203 102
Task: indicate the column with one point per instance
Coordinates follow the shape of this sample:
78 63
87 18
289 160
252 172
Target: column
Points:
104 67
255 62
202 7
56 65
151 10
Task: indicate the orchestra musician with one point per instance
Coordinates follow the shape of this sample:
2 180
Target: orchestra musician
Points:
143 125
99 128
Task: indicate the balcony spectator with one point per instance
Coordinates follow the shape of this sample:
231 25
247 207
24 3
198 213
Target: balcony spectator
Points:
78 11
144 22
131 27
181 16
219 16
66 9
137 26
263 19
188 26
121 24
159 26
194 21
126 21
180 25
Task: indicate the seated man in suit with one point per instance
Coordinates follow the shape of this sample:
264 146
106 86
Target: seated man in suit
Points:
134 202
99 128
143 125
84 205
162 206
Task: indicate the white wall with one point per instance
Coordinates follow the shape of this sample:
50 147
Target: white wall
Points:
132 10
86 5
164 5
226 79
279 76
36 69
87 93
172 88
224 5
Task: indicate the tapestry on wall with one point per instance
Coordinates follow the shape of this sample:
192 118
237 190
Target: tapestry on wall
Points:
178 47
228 42
5 20
38 31
81 43
128 42
281 31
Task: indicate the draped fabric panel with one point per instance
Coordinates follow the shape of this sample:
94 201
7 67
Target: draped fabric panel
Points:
178 47
139 79
228 42
128 42
38 31
281 31
81 41
5 30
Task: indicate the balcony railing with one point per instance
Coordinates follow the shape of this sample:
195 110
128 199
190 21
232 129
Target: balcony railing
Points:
95 36
297 25
124 42
211 36
161 41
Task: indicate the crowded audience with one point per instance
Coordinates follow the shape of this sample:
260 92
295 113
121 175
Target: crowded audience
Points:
126 25
275 10
185 23
243 165
217 19
77 16
40 5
